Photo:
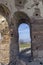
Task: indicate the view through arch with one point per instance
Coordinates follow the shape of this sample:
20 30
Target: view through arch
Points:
24 38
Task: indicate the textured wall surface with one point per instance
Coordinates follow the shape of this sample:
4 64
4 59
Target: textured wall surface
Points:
15 11
37 41
4 41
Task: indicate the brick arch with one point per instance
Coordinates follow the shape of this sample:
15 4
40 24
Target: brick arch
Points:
19 15
18 18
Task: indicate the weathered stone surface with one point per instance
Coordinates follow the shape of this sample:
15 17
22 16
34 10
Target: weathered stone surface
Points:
10 19
5 41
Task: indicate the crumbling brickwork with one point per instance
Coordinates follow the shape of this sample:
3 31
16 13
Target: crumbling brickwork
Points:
15 13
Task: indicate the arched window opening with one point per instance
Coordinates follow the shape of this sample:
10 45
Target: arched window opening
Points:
24 38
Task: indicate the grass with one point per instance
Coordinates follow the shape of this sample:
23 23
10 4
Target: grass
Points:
25 45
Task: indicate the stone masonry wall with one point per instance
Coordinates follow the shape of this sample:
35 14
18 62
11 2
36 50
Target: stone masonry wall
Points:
37 38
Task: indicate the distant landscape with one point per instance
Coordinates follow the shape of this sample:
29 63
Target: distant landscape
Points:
23 46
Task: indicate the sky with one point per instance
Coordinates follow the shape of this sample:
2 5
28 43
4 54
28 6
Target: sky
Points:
24 32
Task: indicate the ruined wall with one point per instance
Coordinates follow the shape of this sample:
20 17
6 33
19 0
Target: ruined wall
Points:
9 50
37 38
4 41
